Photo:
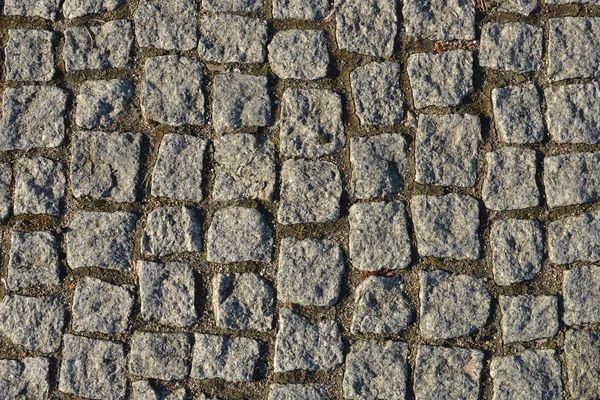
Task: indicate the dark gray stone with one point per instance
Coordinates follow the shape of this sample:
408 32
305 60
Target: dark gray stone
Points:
439 20
518 114
163 356
512 46
142 390
25 379
172 230
39 186
526 318
312 10
33 260
581 295
573 239
299 54
571 179
233 5
233 359
168 25
100 103
47 9
29 55
582 350
5 190
244 40
80 8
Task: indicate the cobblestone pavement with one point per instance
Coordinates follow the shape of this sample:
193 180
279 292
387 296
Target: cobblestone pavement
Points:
294 199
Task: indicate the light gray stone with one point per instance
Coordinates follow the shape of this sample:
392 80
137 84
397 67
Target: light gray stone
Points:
310 192
302 344
33 260
161 356
168 25
244 40
526 318
80 8
36 323
574 239
518 114
581 295
523 7
439 19
512 46
142 390
172 230
310 272
239 234
571 179
25 379
100 103
527 375
167 293
311 123
447 226
233 359
312 10
29 55
233 5
5 191
442 80
172 91
452 305
376 370
299 54
90 234
39 186
582 350
105 165
98 47
298 392
47 9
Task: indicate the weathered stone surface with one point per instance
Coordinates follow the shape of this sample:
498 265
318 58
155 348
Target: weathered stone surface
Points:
446 226
47 9
298 391
36 323
376 370
518 114
448 373
29 55
446 149
311 123
439 20
312 10
80 8
510 182
90 234
105 165
233 5
239 234
101 103
172 91
571 179
33 260
142 390
299 54
178 170
168 25
32 116
160 355
39 186
172 230
310 192
367 26
25 379
523 7
306 345
581 295
99 306
225 357
167 293
527 318
442 80
381 307
5 191
512 46
582 350
452 305
98 47
574 239
310 272
527 375
244 40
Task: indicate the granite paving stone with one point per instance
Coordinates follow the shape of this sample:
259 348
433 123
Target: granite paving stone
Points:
33 260
101 103
28 378
518 114
168 25
39 186
47 9
512 46
311 10
172 230
233 359
571 179
299 54
142 390
523 7
576 238
161 356
526 318
581 295
6 176
245 6
29 55
582 350
80 8
439 19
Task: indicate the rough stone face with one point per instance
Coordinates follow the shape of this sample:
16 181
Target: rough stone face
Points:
439 20
523 7
225 357
379 236
29 55
172 230
98 47
581 295
381 307
582 349
511 46
99 306
367 26
178 170
297 391
517 250
299 54
452 305
233 5
105 165
510 182
142 390
36 323
312 10
33 260
47 9
572 179
311 123
448 373
310 272
442 80
100 103
302 344
572 48
446 226
172 91
239 234
244 40
93 368
446 149
32 116
244 167
376 370
25 379
80 8
168 25
518 114
243 301
574 239
527 318
39 186
310 192
167 293
527 375
91 233
161 356
5 191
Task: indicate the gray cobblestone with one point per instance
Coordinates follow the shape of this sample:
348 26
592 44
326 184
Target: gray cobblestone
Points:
29 55
6 203
439 20
523 7
161 356
81 8
311 10
582 350
574 239
33 260
245 40
47 9
101 103
527 318
172 230
572 179
299 54
581 295
169 25
233 359
512 46
233 5
27 378
39 186
518 114
142 390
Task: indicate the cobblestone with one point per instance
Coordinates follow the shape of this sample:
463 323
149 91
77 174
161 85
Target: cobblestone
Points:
167 25
101 103
439 20
29 55
527 318
511 47
295 391
172 230
571 179
5 191
81 8
233 359
311 10
39 186
142 390
581 293
47 9
523 7
245 40
246 6
518 114
33 260
160 355
27 378
574 239
582 349
299 54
